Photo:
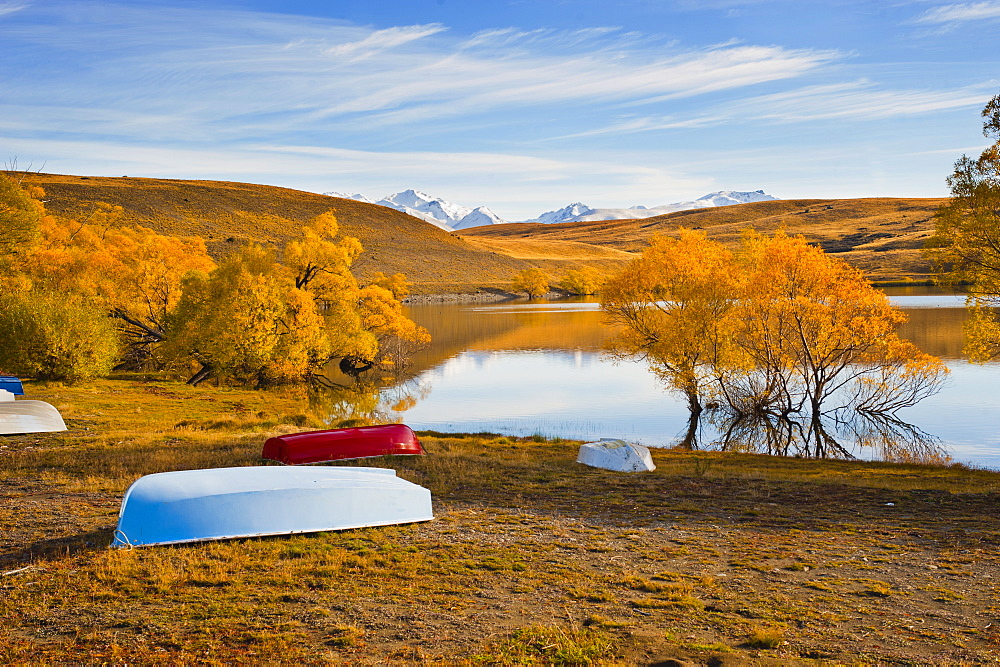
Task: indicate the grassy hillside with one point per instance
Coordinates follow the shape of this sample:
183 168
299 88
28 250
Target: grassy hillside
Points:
881 236
228 214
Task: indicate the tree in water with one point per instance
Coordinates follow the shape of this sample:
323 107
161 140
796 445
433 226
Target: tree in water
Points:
966 242
775 332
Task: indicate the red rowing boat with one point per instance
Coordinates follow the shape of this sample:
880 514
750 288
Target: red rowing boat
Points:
342 443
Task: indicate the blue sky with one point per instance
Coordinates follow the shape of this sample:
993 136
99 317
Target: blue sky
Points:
522 105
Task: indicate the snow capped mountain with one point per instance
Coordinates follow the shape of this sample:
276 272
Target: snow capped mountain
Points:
344 195
478 217
730 197
569 213
450 216
434 210
581 213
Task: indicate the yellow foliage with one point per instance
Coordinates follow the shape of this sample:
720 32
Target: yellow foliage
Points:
534 282
396 283
966 244
20 216
777 325
248 321
55 336
583 281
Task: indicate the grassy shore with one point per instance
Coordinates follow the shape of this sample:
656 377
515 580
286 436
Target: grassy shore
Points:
711 559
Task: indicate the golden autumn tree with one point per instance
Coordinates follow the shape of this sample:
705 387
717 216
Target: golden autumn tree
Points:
134 274
534 282
966 242
55 336
255 319
47 329
814 328
248 322
584 282
396 283
776 329
674 306
398 336
20 217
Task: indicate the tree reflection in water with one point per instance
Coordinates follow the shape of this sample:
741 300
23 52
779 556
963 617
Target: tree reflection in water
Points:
841 434
363 401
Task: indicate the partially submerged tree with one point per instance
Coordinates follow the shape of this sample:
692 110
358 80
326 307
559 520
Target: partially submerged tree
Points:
674 305
966 243
773 331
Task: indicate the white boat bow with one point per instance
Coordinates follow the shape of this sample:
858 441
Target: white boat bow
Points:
223 503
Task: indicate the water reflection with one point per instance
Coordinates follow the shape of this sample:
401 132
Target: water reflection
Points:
361 401
525 368
845 434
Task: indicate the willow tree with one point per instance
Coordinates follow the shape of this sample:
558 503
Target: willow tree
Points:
584 282
674 306
820 336
775 329
263 318
131 273
248 322
966 242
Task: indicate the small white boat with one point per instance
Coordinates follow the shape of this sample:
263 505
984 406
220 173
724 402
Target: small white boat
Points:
224 503
617 455
18 417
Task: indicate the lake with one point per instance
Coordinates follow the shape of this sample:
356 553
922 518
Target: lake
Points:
535 368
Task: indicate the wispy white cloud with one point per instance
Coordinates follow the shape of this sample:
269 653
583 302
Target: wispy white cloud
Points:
11 7
855 101
219 71
529 181
976 11
381 41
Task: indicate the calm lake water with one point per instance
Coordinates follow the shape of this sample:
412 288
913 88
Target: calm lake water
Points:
526 368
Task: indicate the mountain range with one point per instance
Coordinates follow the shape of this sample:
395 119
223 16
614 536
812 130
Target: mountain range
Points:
450 216
445 214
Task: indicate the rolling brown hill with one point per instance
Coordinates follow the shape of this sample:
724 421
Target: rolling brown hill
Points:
227 214
881 236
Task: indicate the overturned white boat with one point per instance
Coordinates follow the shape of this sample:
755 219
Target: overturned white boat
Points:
18 417
617 455
223 503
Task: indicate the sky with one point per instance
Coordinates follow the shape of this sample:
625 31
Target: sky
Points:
523 106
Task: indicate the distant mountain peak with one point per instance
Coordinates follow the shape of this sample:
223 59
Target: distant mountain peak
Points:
578 212
450 216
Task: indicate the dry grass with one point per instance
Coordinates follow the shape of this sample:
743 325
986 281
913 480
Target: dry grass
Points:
882 236
728 559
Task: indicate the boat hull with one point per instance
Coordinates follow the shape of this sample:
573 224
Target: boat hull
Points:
342 443
11 384
17 417
225 503
616 455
